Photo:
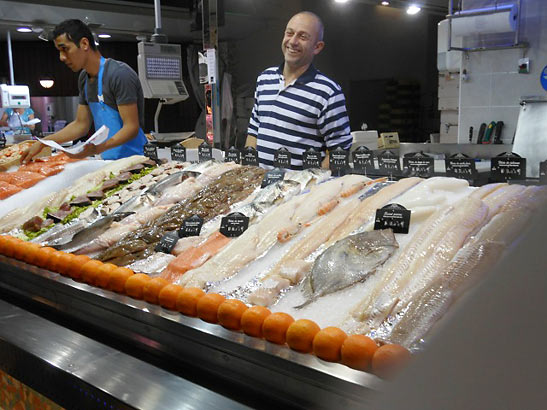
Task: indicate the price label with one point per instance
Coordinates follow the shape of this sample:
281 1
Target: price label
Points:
338 161
460 167
273 176
282 158
191 226
250 156
393 216
311 159
363 160
178 153
543 173
389 163
507 166
419 165
205 152
167 242
234 224
2 141
233 155
151 150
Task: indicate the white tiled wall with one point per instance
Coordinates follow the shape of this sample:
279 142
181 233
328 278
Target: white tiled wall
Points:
493 87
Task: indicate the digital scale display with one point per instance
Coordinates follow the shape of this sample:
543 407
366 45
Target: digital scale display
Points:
163 68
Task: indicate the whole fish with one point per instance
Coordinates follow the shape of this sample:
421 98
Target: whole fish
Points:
348 261
87 234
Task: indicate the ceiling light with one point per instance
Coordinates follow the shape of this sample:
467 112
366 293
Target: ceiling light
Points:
341 1
413 9
104 35
24 29
385 3
47 82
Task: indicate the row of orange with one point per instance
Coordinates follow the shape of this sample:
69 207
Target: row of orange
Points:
305 336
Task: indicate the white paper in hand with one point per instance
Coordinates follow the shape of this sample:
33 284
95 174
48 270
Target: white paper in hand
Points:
100 136
32 122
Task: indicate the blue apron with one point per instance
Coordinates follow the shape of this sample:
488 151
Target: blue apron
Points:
105 115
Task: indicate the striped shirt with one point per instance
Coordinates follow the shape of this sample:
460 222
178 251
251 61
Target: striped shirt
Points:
309 112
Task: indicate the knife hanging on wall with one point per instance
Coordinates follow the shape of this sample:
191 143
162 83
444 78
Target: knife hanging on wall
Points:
497 132
482 130
488 134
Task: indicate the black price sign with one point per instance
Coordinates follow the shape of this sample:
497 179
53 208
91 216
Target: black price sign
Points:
151 150
205 152
178 153
167 242
2 141
311 159
282 158
273 176
508 166
191 226
363 159
419 165
393 216
389 163
233 155
543 173
234 224
460 166
250 156
338 161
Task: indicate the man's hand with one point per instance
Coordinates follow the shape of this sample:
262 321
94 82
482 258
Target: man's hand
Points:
88 151
31 152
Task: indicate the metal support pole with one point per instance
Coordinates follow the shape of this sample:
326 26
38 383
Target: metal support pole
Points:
157 13
210 40
10 58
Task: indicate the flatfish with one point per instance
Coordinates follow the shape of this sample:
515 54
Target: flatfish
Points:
348 261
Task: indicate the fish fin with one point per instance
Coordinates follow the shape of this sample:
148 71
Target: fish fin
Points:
306 303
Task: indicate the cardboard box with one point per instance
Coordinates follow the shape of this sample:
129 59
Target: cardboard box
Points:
388 140
192 142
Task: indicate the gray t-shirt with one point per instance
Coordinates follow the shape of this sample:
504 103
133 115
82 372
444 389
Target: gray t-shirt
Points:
121 85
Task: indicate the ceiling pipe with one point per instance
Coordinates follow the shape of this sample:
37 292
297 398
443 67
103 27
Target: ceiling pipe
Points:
158 36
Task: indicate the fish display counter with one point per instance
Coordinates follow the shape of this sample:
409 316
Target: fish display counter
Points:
298 288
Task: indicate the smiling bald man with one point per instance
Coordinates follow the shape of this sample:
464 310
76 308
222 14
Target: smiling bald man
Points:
296 106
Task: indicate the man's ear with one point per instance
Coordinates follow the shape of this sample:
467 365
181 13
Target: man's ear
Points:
319 46
84 43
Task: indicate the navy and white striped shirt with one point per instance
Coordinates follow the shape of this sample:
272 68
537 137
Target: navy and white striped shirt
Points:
309 112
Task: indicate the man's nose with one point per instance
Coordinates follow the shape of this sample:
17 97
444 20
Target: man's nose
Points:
62 57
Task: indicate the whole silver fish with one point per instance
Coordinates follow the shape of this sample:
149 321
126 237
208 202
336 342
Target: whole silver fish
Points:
348 261
60 231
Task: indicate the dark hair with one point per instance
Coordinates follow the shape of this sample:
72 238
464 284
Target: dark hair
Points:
75 30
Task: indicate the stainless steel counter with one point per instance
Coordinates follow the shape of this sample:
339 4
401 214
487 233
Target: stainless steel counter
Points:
275 374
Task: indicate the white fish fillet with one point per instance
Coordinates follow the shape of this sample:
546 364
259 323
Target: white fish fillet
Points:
260 237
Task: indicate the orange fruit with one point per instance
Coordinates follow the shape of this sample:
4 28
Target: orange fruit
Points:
31 252
9 244
230 312
134 285
252 320
104 273
63 263
74 269
300 335
187 301
152 289
53 261
389 359
327 343
42 257
357 351
90 271
20 250
208 305
118 277
168 296
3 243
275 327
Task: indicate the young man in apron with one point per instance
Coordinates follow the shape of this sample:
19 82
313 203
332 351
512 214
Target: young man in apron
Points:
110 94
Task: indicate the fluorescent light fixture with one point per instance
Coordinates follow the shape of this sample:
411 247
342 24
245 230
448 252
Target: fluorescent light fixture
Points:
385 3
341 1
47 82
413 9
104 35
24 29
